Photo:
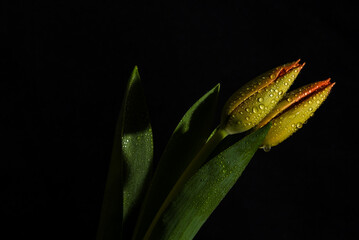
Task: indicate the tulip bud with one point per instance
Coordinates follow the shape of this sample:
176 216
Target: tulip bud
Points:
293 111
253 101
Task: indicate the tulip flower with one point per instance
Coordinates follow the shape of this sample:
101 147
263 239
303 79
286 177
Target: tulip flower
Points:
194 174
253 101
293 111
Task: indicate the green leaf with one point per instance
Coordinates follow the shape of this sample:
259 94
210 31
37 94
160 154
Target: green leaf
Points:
130 165
205 190
187 139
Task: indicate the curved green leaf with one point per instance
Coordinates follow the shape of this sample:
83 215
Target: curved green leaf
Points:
187 139
130 165
205 190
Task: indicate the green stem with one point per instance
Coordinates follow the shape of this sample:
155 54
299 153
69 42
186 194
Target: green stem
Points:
218 135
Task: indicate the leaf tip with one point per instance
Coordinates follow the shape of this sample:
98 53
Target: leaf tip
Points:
135 74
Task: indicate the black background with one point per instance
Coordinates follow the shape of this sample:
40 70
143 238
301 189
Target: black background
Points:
64 68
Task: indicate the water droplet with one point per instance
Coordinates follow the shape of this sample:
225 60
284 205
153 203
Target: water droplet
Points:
289 99
266 148
247 118
280 92
272 76
260 99
285 83
261 106
254 109
310 109
299 125
271 95
247 110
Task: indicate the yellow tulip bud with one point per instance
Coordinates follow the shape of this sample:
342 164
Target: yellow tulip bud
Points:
293 111
253 101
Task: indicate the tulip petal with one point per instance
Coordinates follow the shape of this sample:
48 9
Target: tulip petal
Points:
291 98
288 122
250 112
256 85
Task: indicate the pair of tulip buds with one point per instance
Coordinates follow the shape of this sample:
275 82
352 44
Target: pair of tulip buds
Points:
265 99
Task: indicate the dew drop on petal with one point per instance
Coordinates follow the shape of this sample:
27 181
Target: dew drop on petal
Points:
266 148
260 99
299 125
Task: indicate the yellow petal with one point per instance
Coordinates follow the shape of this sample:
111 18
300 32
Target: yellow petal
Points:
255 85
288 122
291 98
253 109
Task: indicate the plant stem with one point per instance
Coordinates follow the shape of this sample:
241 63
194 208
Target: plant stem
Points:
216 137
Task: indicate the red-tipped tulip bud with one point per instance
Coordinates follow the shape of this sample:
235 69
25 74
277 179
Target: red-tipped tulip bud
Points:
293 111
253 101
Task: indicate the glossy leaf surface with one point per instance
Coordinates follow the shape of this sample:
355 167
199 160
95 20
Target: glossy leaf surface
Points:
186 140
130 164
205 190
